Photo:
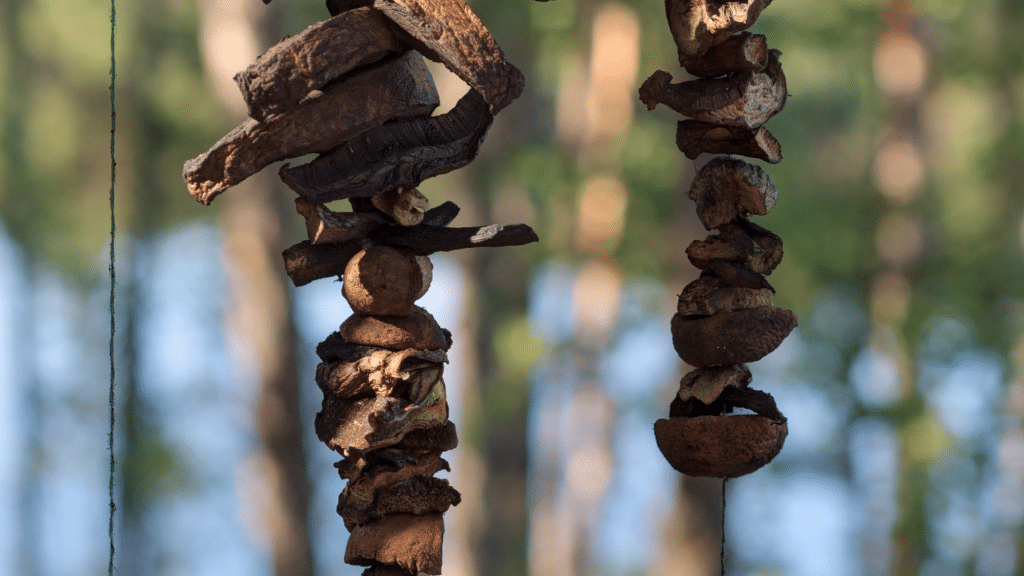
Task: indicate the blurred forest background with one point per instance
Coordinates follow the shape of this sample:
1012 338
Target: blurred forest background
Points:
899 207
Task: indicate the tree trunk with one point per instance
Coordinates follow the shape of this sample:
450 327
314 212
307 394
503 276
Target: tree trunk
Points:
261 313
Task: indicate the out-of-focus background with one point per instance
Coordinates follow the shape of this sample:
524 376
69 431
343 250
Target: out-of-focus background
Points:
900 208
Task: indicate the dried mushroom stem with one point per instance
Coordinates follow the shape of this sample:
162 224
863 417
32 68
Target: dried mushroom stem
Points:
725 318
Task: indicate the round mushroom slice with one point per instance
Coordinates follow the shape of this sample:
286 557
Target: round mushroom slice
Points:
719 446
735 337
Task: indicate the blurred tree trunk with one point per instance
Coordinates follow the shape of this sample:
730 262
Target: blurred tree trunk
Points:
261 310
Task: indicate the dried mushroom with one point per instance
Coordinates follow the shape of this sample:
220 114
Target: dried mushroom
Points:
731 337
697 25
417 330
727 189
405 540
382 281
694 138
399 88
719 446
405 205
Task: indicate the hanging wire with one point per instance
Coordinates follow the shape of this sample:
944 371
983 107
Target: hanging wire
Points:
113 278
721 557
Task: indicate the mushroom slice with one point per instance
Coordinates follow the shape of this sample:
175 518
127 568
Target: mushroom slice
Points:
301 67
731 337
739 52
727 189
697 25
719 446
398 88
406 540
694 138
746 99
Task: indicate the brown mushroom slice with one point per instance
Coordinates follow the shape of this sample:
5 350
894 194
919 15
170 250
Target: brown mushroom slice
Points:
740 242
746 99
367 424
709 295
324 225
408 374
737 53
406 540
300 67
697 25
401 153
418 495
417 330
707 384
734 337
382 281
336 7
719 446
727 189
448 31
405 205
694 138
398 88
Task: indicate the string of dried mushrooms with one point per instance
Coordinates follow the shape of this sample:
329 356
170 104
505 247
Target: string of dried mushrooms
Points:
355 89
725 318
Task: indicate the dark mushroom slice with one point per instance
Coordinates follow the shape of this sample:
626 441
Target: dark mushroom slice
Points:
737 275
739 242
737 53
367 424
408 374
303 66
324 225
727 189
417 495
732 392
401 153
398 88
448 31
719 446
746 99
695 138
417 330
709 295
405 540
730 337
697 25
305 262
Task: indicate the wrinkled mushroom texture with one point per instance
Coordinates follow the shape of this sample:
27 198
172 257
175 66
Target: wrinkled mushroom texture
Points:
731 337
406 540
373 423
694 138
706 384
407 373
727 189
719 446
398 88
405 205
416 495
740 242
697 25
300 67
708 295
417 330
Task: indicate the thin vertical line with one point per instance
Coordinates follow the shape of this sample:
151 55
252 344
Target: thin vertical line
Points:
722 554
113 279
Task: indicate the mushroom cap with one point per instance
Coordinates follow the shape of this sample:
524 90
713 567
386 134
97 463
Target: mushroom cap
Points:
719 446
417 330
383 281
410 541
733 337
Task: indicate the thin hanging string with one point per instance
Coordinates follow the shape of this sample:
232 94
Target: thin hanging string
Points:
113 279
722 555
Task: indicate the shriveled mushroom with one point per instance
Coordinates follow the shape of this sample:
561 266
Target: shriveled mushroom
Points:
731 337
707 384
419 494
406 540
741 242
727 189
695 138
417 330
404 204
709 295
746 99
399 88
304 65
697 25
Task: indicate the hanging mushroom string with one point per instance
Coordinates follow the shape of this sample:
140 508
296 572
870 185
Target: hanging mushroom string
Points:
725 318
355 89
